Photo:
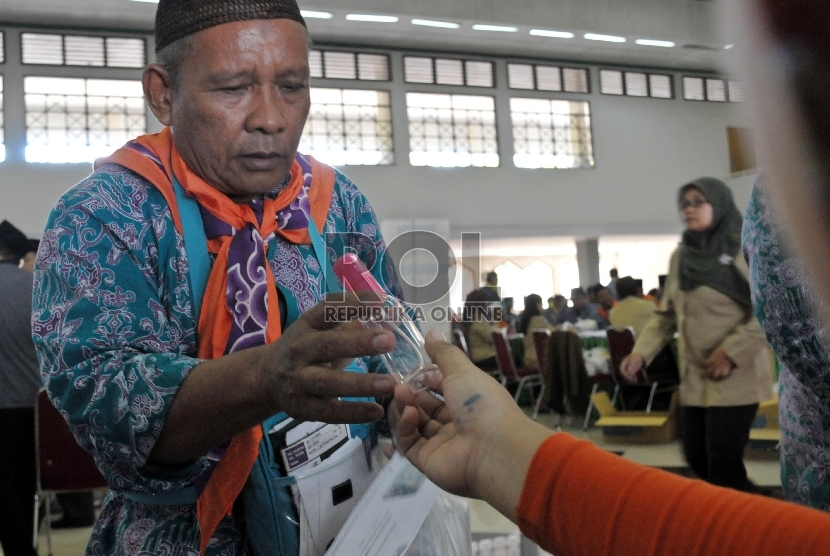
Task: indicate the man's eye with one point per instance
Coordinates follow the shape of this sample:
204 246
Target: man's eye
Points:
235 88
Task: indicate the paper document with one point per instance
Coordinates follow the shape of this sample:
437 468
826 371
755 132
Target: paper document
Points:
389 515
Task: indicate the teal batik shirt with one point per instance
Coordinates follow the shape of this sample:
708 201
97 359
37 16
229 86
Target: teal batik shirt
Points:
115 332
786 308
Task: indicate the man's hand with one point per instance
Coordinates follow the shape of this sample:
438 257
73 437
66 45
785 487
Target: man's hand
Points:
719 366
301 373
304 370
631 366
476 442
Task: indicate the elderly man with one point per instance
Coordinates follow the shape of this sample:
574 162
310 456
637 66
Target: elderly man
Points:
166 386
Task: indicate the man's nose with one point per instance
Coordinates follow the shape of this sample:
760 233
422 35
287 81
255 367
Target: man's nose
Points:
267 114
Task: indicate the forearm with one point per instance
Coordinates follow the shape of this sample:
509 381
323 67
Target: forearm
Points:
509 452
219 399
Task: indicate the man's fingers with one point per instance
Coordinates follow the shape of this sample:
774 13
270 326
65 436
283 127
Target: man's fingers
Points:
339 308
325 382
335 345
330 410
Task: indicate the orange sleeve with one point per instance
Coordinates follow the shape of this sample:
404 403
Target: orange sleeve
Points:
578 500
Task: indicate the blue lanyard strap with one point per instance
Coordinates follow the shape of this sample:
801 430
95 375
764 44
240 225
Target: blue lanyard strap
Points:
332 285
195 243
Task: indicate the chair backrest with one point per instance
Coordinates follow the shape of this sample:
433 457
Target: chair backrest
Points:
541 338
460 341
620 344
504 358
62 465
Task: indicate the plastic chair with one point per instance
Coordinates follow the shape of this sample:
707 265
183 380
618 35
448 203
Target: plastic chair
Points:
541 337
522 376
62 465
620 344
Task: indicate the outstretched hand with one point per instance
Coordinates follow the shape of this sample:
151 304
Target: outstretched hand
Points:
476 442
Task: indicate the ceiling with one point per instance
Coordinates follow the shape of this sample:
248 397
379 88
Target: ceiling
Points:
688 23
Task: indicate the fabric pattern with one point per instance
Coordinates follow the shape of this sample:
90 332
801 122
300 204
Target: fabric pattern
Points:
115 332
786 308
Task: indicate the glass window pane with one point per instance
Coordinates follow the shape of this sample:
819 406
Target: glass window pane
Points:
520 76
373 67
126 53
548 78
418 70
79 120
479 74
660 86
611 82
449 72
84 51
716 90
551 133
636 84
349 126
315 63
39 48
736 92
339 65
576 80
693 88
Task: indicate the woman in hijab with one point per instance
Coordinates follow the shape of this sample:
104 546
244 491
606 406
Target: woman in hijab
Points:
725 365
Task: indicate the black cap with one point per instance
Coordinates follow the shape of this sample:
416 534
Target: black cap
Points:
176 19
13 239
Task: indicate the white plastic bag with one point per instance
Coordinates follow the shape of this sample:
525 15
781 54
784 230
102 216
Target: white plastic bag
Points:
446 530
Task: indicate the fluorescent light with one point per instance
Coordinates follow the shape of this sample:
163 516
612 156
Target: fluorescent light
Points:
499 28
728 46
649 42
554 34
316 15
431 23
153 1
606 38
372 18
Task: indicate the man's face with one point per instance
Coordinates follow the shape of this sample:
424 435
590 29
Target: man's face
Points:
241 105
28 262
605 299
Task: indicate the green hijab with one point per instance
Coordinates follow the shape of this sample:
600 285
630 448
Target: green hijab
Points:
707 257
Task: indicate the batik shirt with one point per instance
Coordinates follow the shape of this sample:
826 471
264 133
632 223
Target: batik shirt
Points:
115 330
786 308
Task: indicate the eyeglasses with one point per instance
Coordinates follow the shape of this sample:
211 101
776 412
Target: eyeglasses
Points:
694 204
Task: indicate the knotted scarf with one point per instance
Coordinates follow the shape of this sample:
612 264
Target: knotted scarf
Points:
240 308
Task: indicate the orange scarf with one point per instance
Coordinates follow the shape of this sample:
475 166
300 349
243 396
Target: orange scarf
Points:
157 164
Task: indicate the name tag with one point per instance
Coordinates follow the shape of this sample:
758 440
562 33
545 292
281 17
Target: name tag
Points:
308 444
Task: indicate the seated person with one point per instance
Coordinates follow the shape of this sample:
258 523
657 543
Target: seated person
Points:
606 302
582 309
480 327
555 305
509 319
531 319
631 310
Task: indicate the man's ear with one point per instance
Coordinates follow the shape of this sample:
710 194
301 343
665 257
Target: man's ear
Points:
158 90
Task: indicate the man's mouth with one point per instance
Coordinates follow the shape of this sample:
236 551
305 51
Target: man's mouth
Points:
261 161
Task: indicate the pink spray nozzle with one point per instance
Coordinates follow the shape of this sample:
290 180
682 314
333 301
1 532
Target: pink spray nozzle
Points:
355 276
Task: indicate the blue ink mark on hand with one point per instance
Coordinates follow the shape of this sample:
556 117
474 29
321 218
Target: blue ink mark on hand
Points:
471 402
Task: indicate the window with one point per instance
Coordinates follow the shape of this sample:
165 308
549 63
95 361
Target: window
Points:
547 78
711 89
635 84
79 120
452 130
2 47
330 64
2 125
347 126
446 71
551 133
78 50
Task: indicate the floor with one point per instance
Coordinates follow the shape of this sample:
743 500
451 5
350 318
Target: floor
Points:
763 469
